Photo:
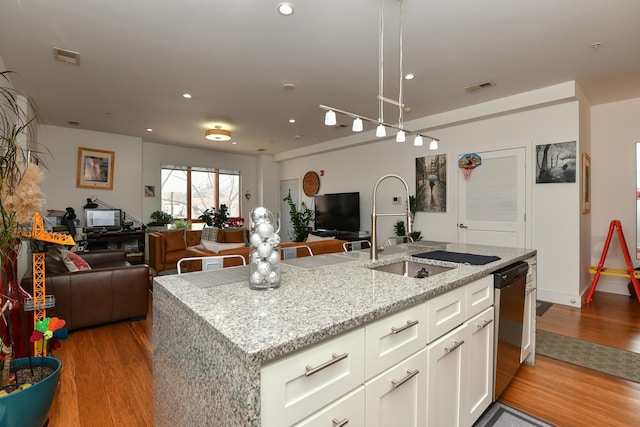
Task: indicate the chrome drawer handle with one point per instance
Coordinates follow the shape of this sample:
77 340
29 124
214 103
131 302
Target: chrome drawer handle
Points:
456 344
484 324
409 324
410 374
338 423
335 359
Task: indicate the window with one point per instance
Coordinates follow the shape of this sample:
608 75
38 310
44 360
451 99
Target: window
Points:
188 190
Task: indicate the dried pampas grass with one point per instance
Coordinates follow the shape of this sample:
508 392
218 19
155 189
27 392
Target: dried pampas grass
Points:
27 197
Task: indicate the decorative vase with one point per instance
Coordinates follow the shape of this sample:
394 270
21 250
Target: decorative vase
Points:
30 407
15 331
264 256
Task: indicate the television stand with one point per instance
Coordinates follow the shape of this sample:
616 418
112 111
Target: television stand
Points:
131 241
349 236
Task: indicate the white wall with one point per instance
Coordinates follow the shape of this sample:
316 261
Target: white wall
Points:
59 184
553 209
615 129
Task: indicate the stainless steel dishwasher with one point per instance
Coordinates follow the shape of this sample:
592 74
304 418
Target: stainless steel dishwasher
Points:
510 284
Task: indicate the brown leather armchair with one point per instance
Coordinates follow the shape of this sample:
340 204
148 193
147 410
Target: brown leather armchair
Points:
112 290
167 248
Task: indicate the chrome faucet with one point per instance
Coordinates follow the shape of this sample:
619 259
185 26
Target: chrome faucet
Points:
374 216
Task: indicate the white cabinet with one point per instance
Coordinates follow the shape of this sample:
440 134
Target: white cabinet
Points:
299 384
346 411
394 337
430 364
529 322
460 373
445 369
478 379
397 397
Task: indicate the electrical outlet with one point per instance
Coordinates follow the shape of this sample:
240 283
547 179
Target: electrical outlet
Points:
397 200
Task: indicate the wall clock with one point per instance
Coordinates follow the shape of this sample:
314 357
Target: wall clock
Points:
310 183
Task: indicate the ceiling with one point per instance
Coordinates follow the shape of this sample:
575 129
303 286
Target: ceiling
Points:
137 58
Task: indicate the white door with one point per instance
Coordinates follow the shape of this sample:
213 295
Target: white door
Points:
293 185
492 201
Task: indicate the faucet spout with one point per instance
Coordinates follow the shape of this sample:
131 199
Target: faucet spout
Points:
374 216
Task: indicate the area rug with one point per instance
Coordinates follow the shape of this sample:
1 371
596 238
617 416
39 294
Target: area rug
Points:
609 360
542 307
501 415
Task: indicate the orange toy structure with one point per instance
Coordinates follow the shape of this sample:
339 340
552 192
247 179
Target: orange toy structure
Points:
40 301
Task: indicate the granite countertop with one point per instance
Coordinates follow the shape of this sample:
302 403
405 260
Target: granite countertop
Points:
319 296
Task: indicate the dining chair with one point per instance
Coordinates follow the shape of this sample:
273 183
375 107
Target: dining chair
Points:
210 263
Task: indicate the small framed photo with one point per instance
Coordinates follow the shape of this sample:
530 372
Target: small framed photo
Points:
586 183
95 169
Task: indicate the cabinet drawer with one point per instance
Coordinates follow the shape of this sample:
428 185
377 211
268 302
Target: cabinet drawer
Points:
346 411
445 312
301 383
391 339
479 295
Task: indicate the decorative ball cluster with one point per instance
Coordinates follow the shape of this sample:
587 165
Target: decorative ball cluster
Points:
265 255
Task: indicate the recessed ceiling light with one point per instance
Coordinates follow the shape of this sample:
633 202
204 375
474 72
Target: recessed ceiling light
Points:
410 76
596 45
233 142
186 95
289 86
285 9
292 120
149 130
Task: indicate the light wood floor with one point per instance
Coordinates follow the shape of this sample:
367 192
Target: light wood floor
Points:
107 379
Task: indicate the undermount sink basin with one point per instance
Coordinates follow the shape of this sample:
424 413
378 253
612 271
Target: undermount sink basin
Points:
412 269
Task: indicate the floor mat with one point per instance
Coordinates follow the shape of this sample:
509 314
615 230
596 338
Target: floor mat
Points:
608 360
542 307
501 415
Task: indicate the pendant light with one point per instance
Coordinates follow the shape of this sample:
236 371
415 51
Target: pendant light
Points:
381 125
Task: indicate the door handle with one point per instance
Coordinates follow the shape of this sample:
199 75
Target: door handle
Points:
462 226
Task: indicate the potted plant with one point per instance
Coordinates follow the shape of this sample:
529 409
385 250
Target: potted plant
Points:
20 196
160 220
216 217
300 219
181 224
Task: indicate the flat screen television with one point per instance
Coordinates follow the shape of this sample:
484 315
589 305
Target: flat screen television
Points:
109 219
337 212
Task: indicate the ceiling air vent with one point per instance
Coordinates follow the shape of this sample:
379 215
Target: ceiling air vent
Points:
478 86
66 56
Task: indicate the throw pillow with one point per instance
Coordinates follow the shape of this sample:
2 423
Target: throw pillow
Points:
314 238
174 241
210 234
74 262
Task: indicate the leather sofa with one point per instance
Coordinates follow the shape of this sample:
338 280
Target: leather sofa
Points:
166 248
110 291
317 247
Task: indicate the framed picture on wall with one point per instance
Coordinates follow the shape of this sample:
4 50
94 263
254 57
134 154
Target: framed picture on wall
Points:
95 169
586 183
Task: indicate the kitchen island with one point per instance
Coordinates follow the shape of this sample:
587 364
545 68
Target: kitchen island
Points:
213 334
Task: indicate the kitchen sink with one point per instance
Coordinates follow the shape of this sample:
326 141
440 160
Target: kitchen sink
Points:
412 269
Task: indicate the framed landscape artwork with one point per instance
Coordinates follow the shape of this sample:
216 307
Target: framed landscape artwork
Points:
95 169
586 183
